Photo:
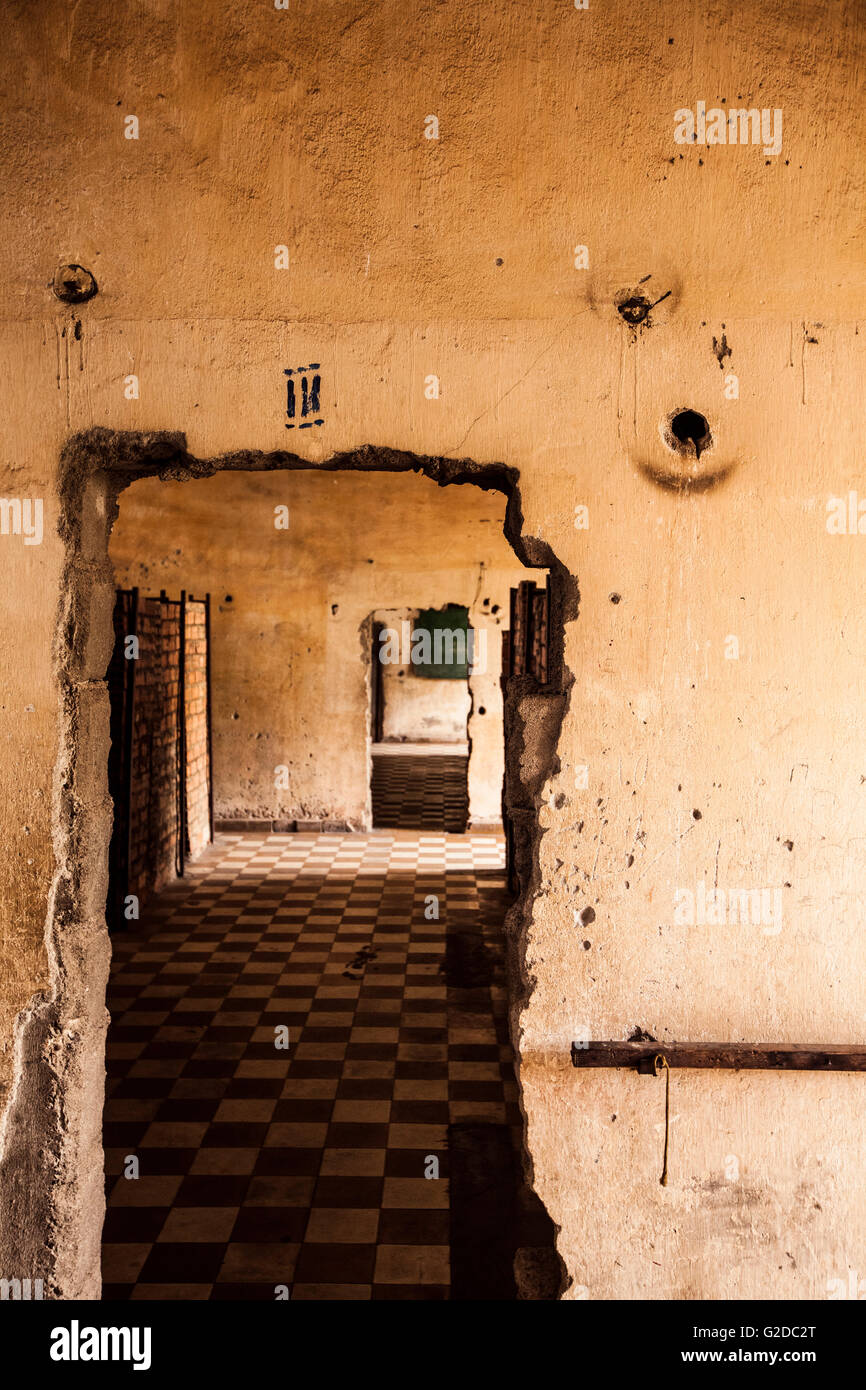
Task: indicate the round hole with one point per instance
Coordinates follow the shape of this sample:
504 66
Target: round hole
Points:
635 309
689 430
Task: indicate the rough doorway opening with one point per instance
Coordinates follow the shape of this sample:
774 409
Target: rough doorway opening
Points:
56 1101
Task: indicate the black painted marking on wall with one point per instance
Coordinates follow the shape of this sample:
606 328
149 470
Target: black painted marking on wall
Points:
310 403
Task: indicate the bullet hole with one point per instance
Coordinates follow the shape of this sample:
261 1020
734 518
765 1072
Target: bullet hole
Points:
73 284
640 1036
228 598
697 815
679 786
633 306
789 845
587 945
495 608
635 309
721 348
616 598
688 429
559 800
235 715
335 608
587 916
669 41
482 710
499 260
630 861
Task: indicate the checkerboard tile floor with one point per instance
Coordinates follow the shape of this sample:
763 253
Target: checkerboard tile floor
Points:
424 792
303 1167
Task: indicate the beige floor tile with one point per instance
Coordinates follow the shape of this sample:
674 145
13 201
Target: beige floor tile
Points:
353 1163
332 1225
411 1020
121 1264
331 1293
174 1134
224 1162
296 1136
171 1293
198 1088
119 1110
200 1224
474 1071
420 1090
375 1035
320 1052
367 1069
244 1111
364 1112
265 1262
268 1191
256 1067
482 1111
145 1191
309 1088
416 1193
412 1264
432 1138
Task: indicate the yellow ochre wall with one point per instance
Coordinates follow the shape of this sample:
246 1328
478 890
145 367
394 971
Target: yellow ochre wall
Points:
459 258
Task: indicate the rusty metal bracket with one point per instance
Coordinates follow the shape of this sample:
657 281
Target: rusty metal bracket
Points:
727 1056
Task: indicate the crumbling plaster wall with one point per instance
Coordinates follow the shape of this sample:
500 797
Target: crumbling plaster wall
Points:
455 258
291 649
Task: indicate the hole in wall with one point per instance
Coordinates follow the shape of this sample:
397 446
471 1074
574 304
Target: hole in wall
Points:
635 309
688 430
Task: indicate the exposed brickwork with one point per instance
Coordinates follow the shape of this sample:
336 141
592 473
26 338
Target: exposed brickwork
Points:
197 751
156 832
154 811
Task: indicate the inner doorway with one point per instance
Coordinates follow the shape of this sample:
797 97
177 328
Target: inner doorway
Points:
421 702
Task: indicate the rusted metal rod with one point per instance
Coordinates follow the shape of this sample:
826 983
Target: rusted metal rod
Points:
729 1056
